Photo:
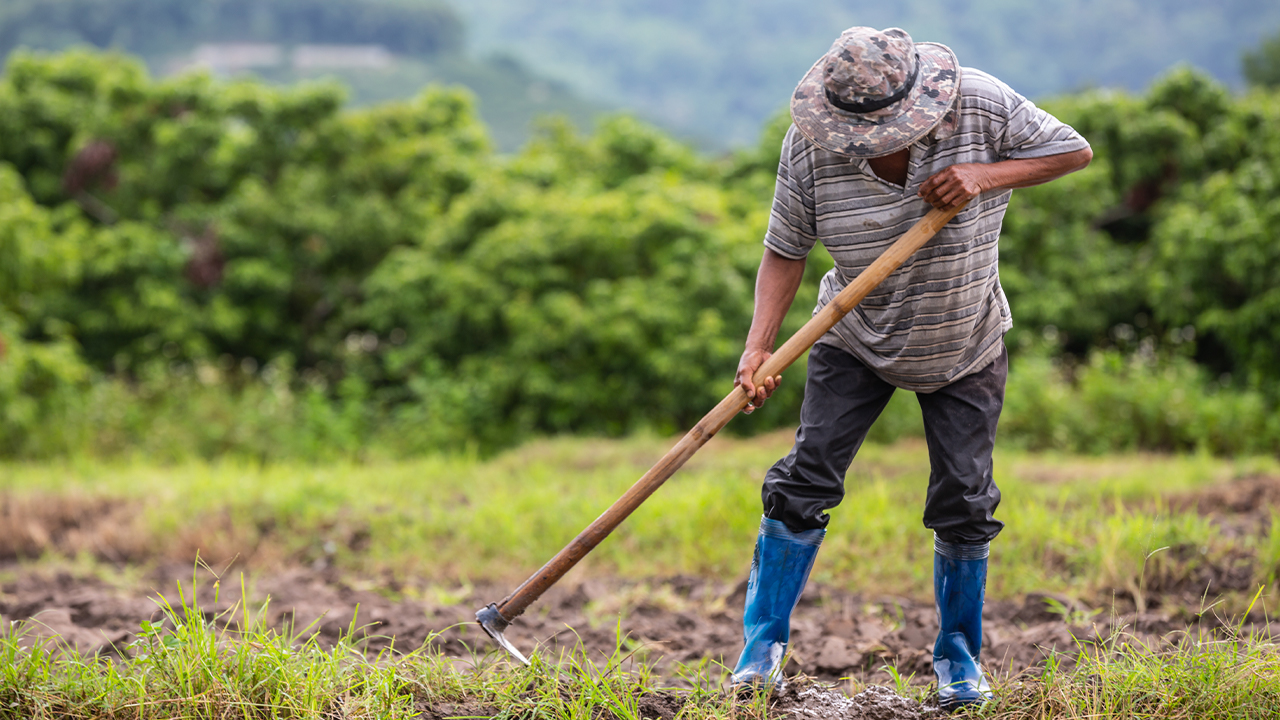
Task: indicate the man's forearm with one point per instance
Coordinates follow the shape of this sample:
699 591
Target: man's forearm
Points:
961 183
776 285
1035 171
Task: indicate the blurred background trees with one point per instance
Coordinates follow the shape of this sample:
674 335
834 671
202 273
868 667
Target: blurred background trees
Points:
1262 64
387 260
195 267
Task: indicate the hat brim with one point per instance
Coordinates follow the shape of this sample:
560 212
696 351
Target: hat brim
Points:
851 134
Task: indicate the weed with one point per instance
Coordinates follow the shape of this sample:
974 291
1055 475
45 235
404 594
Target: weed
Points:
1072 614
1126 676
901 685
1269 552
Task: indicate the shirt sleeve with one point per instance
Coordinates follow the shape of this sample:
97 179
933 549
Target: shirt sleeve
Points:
792 231
1030 132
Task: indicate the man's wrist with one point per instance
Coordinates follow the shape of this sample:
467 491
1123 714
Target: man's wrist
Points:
986 179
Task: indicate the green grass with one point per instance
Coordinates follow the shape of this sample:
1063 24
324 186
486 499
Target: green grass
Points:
187 667
231 666
1236 676
1083 526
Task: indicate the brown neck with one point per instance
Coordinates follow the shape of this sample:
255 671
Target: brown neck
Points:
891 168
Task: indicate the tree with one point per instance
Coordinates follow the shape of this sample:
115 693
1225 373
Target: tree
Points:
1262 64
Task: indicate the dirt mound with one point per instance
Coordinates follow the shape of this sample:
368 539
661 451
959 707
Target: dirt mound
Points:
30 526
1242 510
1243 506
799 700
114 531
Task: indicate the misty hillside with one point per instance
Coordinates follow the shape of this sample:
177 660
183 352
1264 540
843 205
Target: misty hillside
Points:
710 71
379 49
715 69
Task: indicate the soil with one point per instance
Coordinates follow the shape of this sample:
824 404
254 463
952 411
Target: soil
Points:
810 700
675 623
1243 506
834 634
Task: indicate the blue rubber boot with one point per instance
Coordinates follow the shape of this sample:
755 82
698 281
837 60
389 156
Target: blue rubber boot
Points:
959 583
779 571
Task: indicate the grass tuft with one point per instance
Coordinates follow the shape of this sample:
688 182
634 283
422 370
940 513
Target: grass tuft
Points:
1235 674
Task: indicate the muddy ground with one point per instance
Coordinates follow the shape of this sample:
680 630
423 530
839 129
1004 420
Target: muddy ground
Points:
671 622
677 623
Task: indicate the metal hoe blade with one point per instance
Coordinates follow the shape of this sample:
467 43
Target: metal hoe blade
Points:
494 624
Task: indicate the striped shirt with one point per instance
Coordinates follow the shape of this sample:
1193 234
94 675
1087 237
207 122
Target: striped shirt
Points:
942 315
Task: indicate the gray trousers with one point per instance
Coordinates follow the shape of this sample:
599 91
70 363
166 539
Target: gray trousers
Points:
842 397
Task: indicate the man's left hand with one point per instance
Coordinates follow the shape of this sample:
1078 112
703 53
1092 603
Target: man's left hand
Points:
961 183
955 185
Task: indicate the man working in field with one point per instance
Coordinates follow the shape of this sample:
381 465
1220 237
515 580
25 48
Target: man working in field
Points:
883 129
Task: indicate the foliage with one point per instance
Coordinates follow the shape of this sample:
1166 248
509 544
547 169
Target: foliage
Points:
226 219
1168 241
1262 64
1126 676
1117 402
589 281
56 406
300 279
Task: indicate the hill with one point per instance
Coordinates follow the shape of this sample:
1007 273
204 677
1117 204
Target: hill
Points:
710 71
713 70
379 49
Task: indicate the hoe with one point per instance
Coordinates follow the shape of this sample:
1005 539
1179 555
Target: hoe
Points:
496 617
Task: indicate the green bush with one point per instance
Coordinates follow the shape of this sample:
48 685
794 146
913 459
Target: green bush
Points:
1168 236
196 268
1118 402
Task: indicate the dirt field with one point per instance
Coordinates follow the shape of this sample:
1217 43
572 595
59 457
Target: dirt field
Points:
680 620
673 621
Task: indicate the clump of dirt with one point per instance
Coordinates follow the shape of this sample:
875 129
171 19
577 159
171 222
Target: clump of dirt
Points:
105 528
448 711
1250 495
874 703
1242 507
660 705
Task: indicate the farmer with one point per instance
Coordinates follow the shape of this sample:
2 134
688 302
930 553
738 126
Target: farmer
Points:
883 128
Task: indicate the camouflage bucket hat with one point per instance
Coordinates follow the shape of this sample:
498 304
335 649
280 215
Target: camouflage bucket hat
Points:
876 92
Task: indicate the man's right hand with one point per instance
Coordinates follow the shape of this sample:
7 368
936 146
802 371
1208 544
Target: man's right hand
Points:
776 285
751 361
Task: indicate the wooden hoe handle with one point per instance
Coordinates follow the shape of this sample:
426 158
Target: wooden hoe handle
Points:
892 258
